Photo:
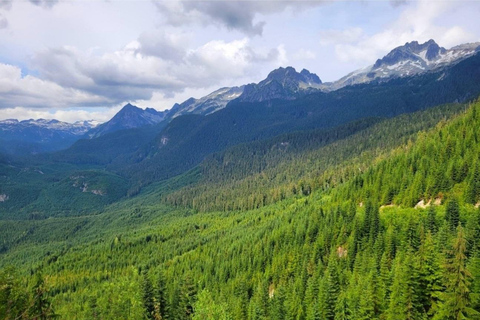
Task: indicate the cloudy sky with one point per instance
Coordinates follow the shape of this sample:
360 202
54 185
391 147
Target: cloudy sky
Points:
78 60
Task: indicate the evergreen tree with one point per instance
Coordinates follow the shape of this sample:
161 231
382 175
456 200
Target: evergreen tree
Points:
474 268
342 310
41 308
148 296
452 214
160 297
188 294
472 193
332 288
456 301
13 299
207 309
431 222
429 275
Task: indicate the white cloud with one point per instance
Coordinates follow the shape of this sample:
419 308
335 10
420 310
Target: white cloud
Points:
6 4
418 21
132 74
234 15
3 22
30 91
165 45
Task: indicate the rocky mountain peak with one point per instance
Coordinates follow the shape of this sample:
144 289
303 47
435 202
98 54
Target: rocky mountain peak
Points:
411 51
128 117
289 74
408 60
282 83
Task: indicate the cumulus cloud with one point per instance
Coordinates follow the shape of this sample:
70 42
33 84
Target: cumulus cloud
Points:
6 4
3 22
418 21
138 71
29 91
168 46
44 3
234 15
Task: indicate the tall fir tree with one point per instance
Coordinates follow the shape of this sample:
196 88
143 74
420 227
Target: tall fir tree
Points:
456 301
148 296
41 307
452 214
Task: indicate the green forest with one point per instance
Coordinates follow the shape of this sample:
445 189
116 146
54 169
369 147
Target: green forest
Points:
375 219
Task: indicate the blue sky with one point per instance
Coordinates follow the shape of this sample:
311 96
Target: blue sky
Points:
79 60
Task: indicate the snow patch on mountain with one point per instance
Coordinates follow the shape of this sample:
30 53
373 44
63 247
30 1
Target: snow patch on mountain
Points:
208 104
408 60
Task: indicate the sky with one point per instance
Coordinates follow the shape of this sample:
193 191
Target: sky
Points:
84 59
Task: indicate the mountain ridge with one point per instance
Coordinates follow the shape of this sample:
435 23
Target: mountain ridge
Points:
408 60
128 117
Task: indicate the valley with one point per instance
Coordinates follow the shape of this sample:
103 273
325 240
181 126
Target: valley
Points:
286 199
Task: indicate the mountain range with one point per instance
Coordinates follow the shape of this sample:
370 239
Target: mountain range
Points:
411 59
408 60
285 199
36 136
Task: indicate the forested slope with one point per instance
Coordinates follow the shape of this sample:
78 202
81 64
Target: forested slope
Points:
176 150
355 250
255 174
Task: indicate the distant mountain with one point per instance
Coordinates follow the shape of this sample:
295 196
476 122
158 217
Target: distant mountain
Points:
128 118
188 139
211 103
408 60
36 136
282 83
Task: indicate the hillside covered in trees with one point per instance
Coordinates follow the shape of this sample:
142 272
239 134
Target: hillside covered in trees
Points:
379 224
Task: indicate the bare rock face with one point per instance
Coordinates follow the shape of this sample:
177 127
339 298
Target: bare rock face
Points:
408 60
3 197
282 83
128 118
211 103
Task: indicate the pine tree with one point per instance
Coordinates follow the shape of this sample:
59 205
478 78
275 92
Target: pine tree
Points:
160 297
473 185
188 294
207 309
430 276
342 310
455 301
431 222
332 288
13 299
41 306
452 214
148 296
366 308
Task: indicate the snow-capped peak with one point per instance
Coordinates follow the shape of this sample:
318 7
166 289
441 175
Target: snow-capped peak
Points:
407 60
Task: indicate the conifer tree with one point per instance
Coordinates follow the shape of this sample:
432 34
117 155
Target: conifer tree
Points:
41 308
188 294
160 297
456 301
13 299
342 310
452 214
429 275
431 222
332 288
148 296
